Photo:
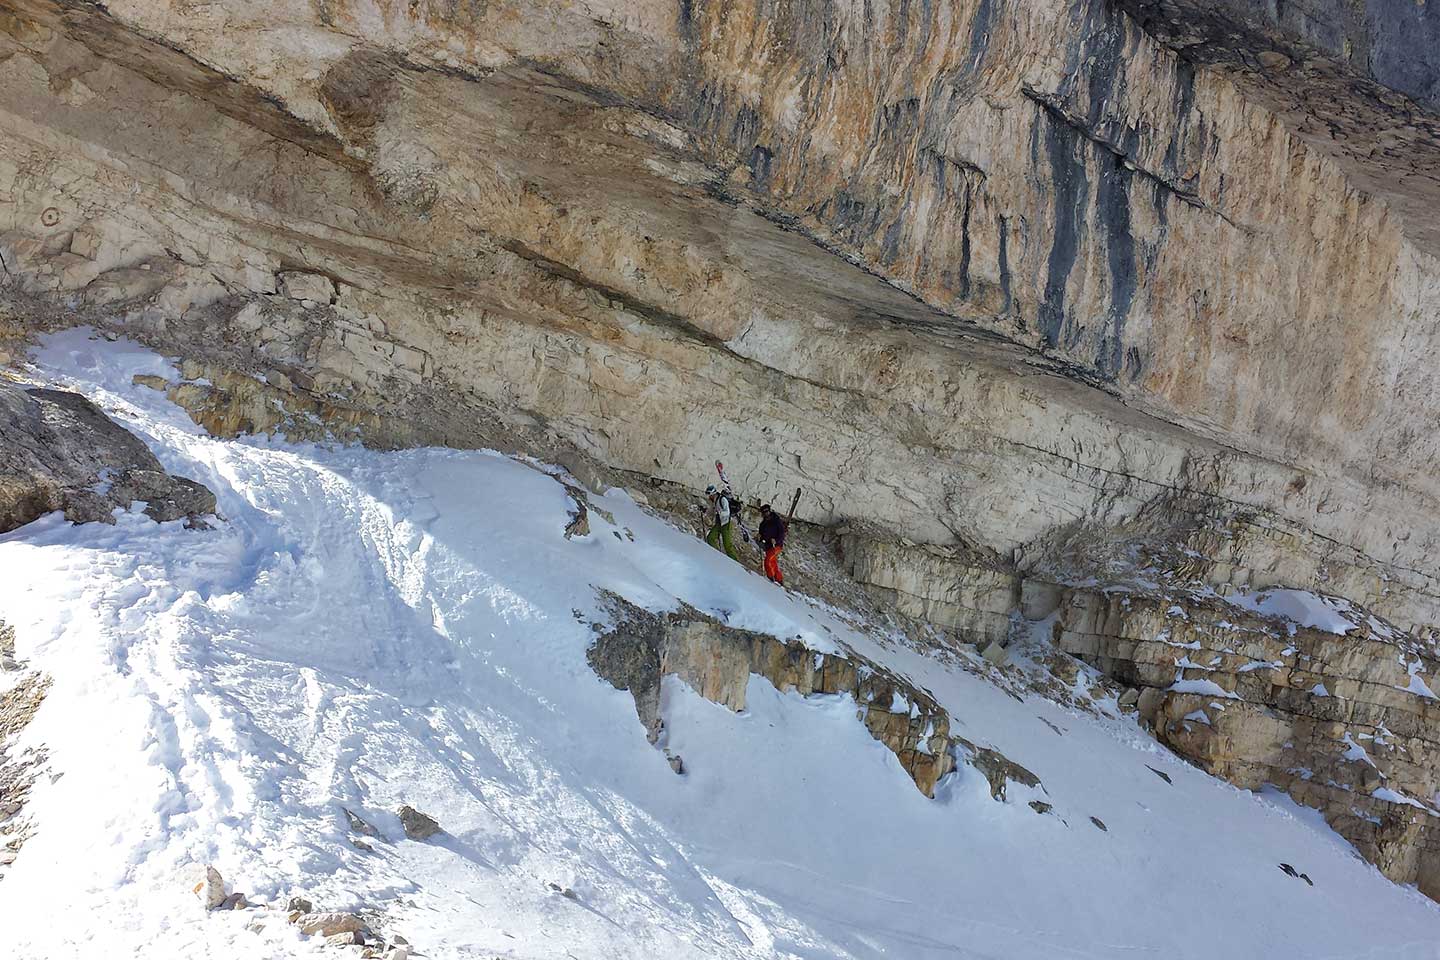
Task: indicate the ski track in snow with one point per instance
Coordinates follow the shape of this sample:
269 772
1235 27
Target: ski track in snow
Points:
368 629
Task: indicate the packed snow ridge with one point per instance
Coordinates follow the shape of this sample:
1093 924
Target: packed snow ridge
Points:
360 631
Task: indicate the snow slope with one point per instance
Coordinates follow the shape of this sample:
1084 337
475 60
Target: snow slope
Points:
369 629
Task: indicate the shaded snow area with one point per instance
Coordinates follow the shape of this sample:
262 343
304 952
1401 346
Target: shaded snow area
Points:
1331 614
369 629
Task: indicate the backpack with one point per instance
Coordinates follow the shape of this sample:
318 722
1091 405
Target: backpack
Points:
736 505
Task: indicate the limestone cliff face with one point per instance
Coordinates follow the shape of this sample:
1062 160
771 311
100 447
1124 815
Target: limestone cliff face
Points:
632 223
1048 171
1018 291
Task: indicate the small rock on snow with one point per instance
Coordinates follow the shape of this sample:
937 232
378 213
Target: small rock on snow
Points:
1290 871
207 885
418 826
359 825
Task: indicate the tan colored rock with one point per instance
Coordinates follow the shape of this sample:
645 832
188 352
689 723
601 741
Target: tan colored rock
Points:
314 287
85 242
961 419
1039 599
331 924
717 662
123 285
205 882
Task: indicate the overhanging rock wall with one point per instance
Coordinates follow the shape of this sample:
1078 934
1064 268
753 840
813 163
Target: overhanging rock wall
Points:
655 235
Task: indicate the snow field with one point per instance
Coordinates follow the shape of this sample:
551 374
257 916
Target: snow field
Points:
368 629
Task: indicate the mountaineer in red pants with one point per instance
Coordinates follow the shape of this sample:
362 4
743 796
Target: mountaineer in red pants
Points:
772 540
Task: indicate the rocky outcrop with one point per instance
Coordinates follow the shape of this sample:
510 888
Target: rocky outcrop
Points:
20 768
59 452
417 825
716 661
1346 722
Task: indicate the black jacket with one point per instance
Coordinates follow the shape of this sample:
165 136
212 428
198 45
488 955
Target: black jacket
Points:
772 531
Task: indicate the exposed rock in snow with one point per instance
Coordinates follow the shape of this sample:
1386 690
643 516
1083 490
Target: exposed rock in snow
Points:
331 924
205 882
358 825
418 826
1332 679
7 647
717 662
58 451
20 768
995 652
373 628
1290 871
579 522
999 770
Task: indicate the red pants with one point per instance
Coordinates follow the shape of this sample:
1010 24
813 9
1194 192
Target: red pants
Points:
772 565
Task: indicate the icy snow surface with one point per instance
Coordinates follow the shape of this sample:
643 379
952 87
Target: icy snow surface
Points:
369 629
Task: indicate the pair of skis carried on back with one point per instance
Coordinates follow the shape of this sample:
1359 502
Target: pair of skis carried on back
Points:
744 530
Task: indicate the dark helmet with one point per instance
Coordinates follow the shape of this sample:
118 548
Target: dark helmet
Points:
764 508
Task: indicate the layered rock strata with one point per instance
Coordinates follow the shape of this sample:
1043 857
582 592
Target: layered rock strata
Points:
1347 723
642 648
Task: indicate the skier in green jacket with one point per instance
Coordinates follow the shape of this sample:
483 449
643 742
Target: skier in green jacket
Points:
719 537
